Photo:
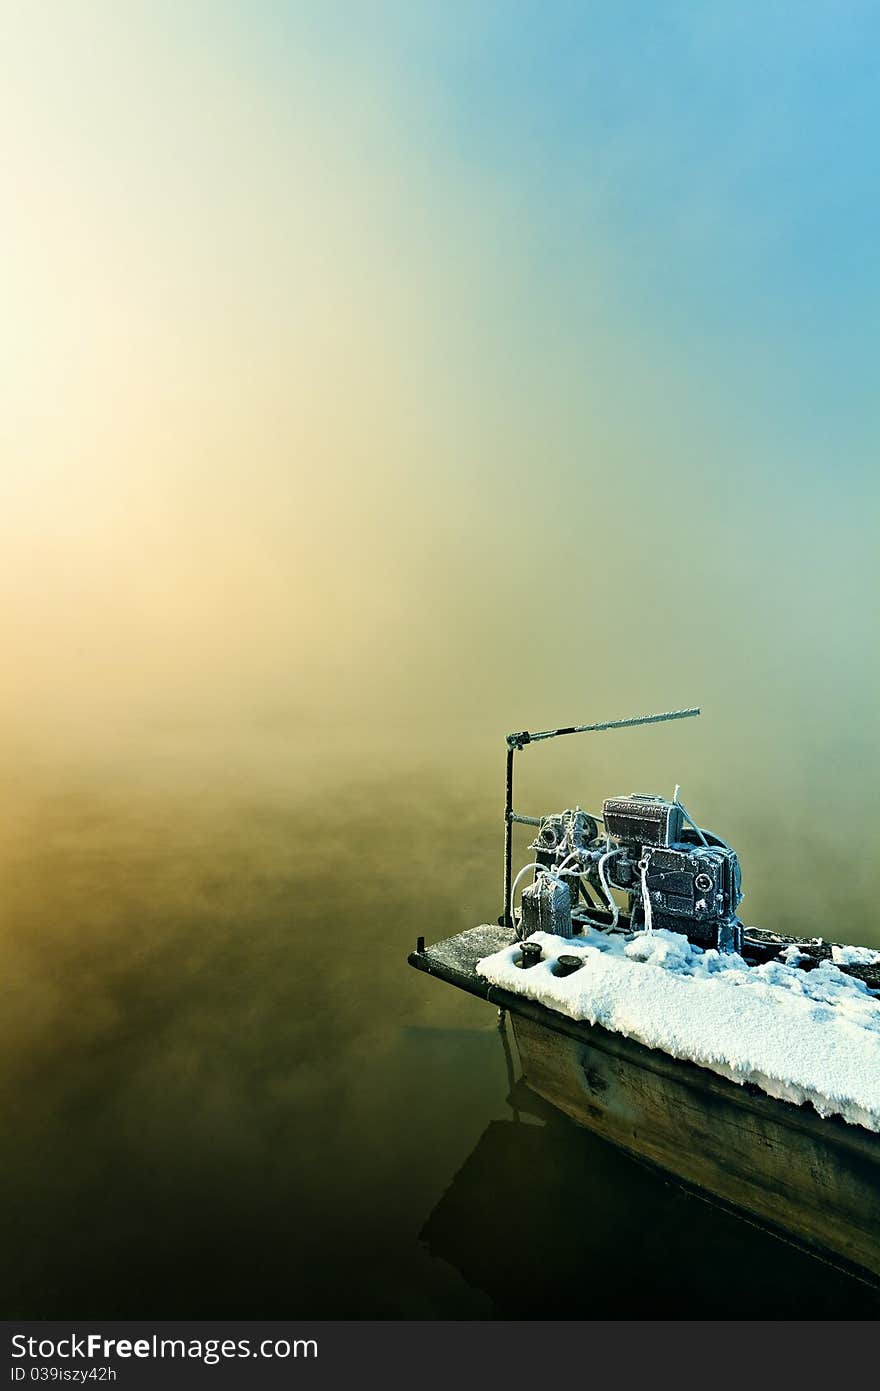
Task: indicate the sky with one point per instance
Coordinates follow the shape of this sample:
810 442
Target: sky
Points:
381 377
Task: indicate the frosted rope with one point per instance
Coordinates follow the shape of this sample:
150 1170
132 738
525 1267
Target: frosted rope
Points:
604 882
646 897
688 817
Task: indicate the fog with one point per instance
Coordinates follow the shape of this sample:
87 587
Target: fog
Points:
352 417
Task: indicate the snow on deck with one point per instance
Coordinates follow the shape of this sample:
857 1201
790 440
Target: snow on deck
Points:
798 1035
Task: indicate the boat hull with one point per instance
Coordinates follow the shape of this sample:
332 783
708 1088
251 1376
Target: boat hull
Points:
818 1180
812 1179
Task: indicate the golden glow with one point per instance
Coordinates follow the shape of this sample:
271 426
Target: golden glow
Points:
307 428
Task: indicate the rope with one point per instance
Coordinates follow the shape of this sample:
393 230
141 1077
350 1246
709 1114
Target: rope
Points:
604 882
646 897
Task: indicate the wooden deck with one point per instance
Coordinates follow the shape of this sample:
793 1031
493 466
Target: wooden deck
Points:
818 1180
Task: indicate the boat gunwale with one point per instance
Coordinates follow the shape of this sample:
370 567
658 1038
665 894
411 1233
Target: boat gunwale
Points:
803 1117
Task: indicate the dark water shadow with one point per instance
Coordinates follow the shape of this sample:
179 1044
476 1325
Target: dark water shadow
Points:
551 1221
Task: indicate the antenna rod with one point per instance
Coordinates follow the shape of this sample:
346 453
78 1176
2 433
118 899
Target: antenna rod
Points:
519 741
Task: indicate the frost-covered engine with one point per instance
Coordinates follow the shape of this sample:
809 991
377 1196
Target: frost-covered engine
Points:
674 874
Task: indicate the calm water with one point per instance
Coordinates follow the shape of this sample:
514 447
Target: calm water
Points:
226 1094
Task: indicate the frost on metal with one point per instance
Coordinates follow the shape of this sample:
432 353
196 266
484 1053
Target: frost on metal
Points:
673 874
799 1036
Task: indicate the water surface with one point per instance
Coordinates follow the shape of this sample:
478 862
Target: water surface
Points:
226 1094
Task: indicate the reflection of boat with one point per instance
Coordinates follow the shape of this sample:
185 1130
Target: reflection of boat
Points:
811 1177
551 1221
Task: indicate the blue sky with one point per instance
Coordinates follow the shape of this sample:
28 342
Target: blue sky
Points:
724 157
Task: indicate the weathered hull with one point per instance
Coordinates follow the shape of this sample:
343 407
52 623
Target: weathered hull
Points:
815 1179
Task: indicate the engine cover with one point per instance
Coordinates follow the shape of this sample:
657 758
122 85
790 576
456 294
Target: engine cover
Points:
695 891
639 820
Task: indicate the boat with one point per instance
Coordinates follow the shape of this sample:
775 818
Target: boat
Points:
813 1178
542 1209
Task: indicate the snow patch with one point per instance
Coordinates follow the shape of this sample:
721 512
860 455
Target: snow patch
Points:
799 1036
854 956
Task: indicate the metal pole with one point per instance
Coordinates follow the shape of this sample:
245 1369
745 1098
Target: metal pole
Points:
519 741
506 920
606 724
